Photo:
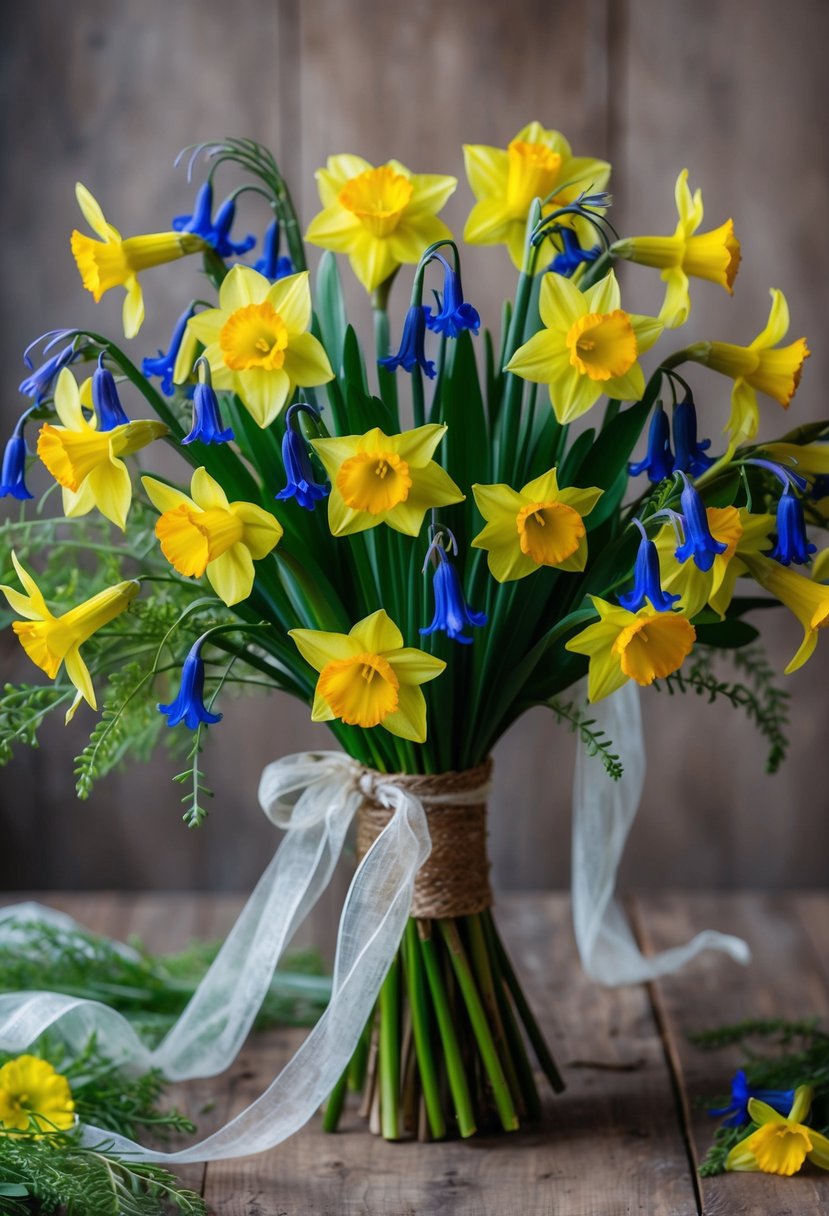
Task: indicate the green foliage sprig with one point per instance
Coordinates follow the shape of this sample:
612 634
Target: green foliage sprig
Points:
595 740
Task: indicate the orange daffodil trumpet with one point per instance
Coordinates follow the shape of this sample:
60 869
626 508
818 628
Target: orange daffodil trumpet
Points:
378 478
538 163
588 346
380 217
368 677
781 1143
643 646
113 261
705 255
256 341
51 641
87 462
538 525
206 534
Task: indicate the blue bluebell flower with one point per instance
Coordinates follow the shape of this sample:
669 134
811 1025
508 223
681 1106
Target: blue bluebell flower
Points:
215 233
452 613
792 544
737 1109
302 482
455 313
659 461
572 255
272 264
108 408
13 470
412 352
163 365
207 424
689 452
188 707
699 543
39 384
647 585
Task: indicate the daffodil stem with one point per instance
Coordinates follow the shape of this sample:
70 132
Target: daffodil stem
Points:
386 380
455 1072
418 401
334 1105
390 1053
597 270
418 1002
479 958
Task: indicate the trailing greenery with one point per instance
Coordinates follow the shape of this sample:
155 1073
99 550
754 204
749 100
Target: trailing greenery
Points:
595 741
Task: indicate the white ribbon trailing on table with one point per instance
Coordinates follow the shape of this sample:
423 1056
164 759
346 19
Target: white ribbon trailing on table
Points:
603 814
314 796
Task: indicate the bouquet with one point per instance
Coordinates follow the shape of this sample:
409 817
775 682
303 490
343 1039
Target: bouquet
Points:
420 542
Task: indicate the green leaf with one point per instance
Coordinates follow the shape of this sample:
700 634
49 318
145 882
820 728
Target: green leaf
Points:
330 308
612 450
569 469
354 367
723 489
365 412
727 635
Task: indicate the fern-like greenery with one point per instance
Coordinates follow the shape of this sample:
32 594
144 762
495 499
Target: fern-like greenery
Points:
595 740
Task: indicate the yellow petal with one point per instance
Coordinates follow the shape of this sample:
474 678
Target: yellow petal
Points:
414 234
417 446
30 587
676 306
409 719
540 359
413 666
319 647
206 326
78 673
133 310
263 392
487 169
263 531
68 402
572 395
338 170
560 302
306 362
603 296
542 489
231 575
777 325
488 222
377 633
94 216
689 207
110 487
242 286
647 330
291 297
581 500
206 491
372 259
431 487
819 1155
430 193
499 503
333 228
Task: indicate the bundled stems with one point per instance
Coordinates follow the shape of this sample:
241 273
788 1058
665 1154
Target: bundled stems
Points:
450 1054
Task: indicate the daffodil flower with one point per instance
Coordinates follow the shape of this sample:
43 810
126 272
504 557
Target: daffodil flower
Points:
807 599
538 163
706 255
589 346
52 640
86 460
538 525
739 532
761 367
116 262
781 1143
643 646
378 478
206 534
33 1095
381 217
257 343
367 677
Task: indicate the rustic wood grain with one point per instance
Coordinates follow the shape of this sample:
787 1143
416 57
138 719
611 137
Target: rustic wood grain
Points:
786 978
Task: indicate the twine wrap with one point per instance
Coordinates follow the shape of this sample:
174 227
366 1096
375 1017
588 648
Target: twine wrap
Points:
454 880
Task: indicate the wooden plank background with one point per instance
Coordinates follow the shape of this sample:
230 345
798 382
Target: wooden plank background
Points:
107 92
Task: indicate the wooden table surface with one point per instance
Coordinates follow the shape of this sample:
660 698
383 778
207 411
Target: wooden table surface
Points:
624 1137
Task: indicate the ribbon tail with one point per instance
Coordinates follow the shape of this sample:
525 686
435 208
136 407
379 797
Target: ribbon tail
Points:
603 814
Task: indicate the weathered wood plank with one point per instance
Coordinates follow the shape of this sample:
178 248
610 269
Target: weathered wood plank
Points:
784 979
611 1144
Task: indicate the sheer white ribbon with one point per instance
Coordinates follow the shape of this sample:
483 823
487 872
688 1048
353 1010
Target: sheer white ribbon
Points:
314 796
603 814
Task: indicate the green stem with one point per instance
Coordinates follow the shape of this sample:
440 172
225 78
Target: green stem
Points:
418 401
486 985
390 1053
420 1031
334 1105
458 1085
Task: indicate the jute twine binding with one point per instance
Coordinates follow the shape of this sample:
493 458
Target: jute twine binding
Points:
454 880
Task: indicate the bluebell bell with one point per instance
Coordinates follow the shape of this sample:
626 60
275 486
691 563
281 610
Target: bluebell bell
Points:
455 313
699 543
13 471
207 418
39 384
163 365
659 461
572 255
108 408
272 264
214 233
188 707
412 352
792 544
302 483
689 452
741 1091
647 585
452 613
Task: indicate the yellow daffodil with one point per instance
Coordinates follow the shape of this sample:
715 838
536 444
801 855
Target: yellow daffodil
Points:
807 599
734 527
206 534
589 346
381 217
378 478
88 463
811 459
33 1095
506 181
781 1143
762 367
538 525
52 640
643 646
368 677
116 262
257 343
706 255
